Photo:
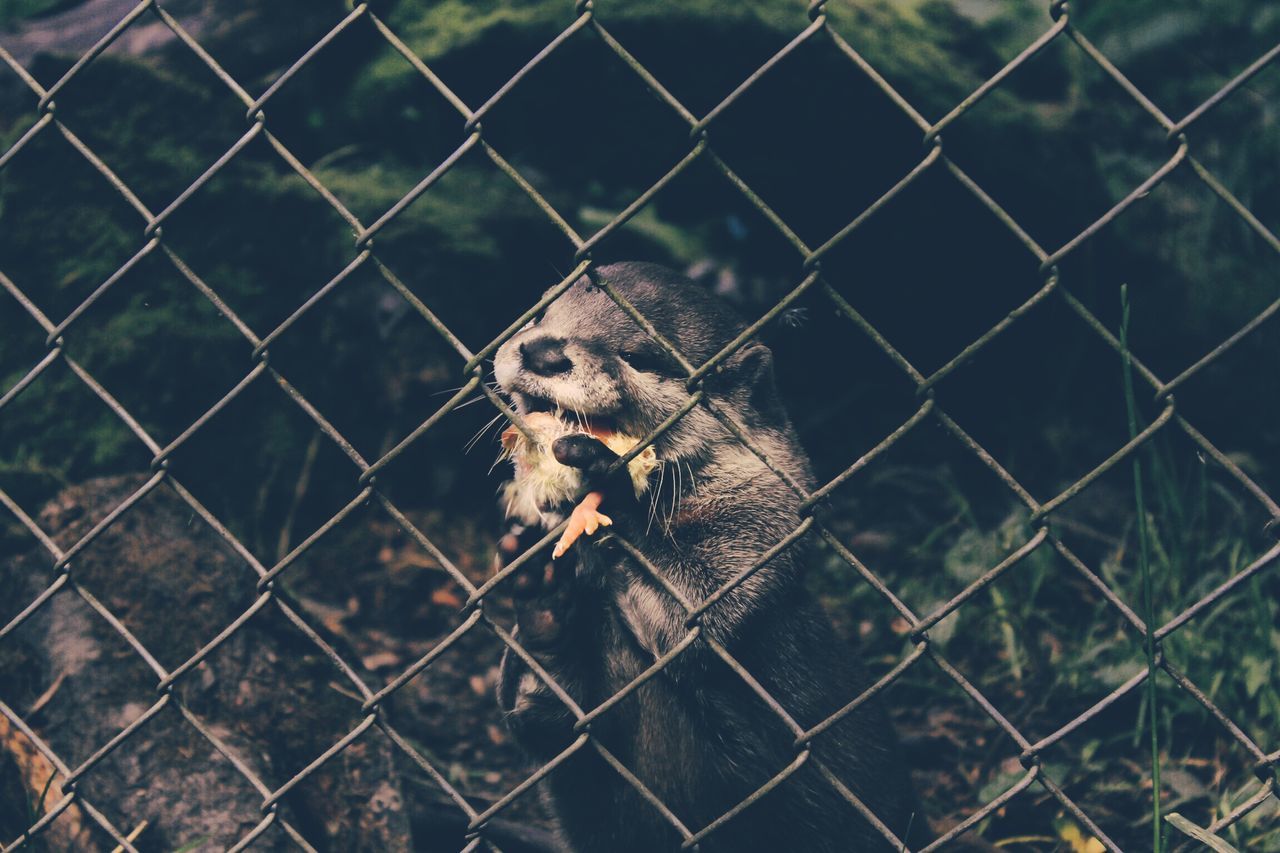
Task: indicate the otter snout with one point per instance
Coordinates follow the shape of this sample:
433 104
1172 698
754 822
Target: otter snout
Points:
545 356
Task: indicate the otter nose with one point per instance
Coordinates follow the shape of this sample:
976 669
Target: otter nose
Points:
545 356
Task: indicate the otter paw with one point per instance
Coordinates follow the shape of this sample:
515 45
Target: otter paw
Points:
585 518
584 452
543 596
517 539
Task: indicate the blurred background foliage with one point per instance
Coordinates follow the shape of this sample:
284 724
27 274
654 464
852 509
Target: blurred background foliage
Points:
1056 145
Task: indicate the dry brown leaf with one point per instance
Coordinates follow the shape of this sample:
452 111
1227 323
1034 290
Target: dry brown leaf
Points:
378 660
445 597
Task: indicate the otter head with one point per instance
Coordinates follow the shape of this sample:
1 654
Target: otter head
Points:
585 357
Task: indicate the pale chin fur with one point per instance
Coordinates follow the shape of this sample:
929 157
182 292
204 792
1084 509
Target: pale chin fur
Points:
536 493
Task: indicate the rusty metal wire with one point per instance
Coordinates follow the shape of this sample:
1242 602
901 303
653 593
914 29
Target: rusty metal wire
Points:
584 23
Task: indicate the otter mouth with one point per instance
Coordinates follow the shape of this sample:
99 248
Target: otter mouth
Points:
598 424
534 403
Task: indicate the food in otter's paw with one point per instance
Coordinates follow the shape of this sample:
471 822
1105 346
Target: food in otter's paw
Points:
542 486
585 518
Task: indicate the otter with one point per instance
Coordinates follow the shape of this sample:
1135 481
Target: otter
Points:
695 733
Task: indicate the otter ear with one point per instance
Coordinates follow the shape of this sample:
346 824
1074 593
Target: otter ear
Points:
747 379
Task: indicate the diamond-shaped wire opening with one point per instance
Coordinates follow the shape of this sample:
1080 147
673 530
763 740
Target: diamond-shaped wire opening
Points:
372 164
1183 69
817 167
31 478
467 214
364 398
944 86
856 401
535 670
1231 130
1107 185
168 326
473 119
445 708
189 120
303 750
58 814
1205 523
61 261
123 698
218 575
281 241
122 694
741 263
988 574
293 483
1202 241
913 276
1057 364
1021 634
180 763
964 766
615 155
351 599
758 36
1206 648
1215 406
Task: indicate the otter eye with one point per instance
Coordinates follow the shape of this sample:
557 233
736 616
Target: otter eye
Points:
646 361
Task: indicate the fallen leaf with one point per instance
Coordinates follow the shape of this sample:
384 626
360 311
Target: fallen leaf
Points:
378 660
1077 840
445 597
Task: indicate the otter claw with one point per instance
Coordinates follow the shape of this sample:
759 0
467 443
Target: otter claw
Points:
585 518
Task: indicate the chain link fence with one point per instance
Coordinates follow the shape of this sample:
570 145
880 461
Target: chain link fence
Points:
583 23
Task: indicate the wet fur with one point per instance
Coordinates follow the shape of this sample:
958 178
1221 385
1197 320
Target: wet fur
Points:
695 734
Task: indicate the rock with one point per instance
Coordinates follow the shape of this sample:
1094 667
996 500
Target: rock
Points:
267 692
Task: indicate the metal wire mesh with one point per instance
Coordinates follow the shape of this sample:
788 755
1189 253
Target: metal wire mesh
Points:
809 274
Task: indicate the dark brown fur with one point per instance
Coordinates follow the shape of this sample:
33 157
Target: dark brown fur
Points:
695 733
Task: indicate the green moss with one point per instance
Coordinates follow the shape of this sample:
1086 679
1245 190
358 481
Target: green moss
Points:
13 11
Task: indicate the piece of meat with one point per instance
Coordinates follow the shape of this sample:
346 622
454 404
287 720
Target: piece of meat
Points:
585 518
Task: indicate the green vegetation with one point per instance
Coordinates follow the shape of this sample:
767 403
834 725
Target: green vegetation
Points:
1144 569
1043 646
12 11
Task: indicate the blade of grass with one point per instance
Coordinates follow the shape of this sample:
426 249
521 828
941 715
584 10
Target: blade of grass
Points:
1204 836
36 811
1144 567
